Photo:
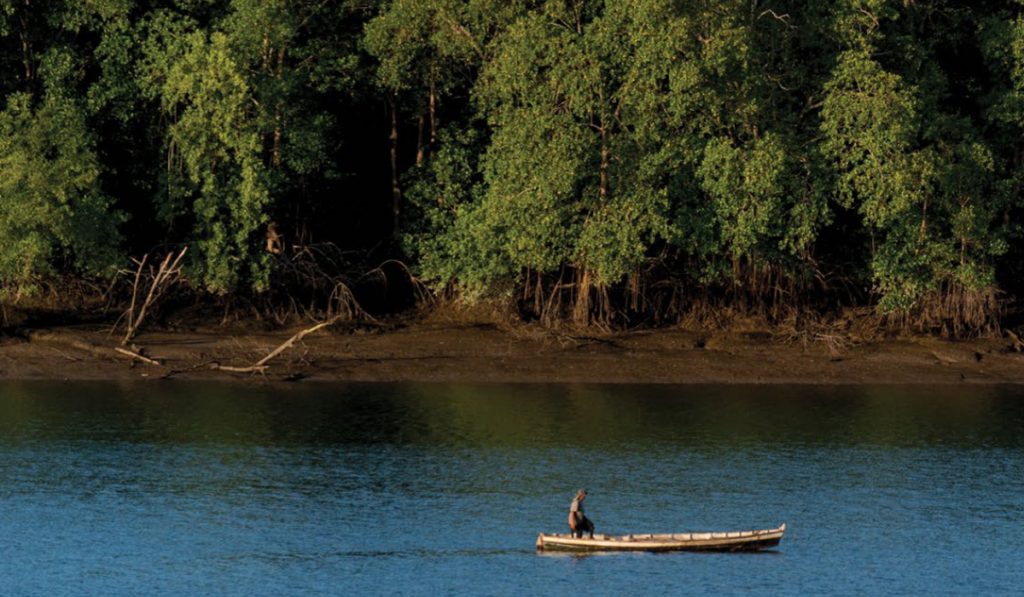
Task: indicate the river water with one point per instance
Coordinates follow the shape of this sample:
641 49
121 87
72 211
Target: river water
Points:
181 488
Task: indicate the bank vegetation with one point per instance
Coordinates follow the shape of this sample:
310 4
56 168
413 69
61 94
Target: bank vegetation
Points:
613 164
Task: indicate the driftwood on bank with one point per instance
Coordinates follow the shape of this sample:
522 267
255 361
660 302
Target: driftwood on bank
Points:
137 356
261 365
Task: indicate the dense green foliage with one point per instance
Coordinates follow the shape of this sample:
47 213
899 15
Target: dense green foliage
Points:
603 161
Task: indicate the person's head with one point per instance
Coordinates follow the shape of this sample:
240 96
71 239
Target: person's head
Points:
581 494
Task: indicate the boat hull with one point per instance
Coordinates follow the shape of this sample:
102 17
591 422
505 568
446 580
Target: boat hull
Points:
729 541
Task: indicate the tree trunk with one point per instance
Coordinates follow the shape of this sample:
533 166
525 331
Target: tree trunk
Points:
275 159
923 231
605 160
396 189
433 116
581 307
428 121
26 46
265 53
420 149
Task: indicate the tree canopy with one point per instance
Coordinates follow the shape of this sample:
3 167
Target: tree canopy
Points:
601 161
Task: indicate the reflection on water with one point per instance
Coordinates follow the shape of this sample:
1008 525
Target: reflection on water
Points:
373 489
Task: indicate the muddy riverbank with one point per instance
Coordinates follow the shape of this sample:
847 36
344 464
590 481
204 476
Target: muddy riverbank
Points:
485 352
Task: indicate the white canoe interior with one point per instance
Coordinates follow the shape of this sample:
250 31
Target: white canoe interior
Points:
665 541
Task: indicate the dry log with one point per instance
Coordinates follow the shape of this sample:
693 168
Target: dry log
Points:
261 365
249 369
137 356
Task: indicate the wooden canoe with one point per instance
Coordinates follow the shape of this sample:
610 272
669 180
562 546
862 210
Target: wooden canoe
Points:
730 541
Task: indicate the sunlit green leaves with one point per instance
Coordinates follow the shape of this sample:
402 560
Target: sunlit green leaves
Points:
923 183
870 120
215 155
747 190
242 126
51 204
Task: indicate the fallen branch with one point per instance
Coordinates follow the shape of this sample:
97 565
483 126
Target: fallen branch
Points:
137 356
261 365
249 369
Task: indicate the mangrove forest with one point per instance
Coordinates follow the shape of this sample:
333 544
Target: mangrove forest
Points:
615 163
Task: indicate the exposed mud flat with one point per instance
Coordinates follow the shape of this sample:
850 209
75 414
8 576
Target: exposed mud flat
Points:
465 352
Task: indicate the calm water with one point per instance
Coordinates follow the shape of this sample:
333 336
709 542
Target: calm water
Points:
182 488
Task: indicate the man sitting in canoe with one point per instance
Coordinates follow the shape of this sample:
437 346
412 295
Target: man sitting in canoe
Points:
578 521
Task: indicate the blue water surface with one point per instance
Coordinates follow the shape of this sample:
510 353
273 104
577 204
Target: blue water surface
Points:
176 488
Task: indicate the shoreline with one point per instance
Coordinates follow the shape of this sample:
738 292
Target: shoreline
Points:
487 353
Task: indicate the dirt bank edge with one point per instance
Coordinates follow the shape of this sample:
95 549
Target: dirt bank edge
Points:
483 353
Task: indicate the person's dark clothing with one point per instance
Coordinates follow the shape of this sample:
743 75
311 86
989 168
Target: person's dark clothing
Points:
578 521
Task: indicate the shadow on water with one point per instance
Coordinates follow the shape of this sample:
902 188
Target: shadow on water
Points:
580 416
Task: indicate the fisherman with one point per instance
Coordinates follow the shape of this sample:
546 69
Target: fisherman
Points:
578 521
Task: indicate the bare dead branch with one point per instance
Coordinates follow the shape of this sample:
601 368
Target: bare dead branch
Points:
137 356
135 292
229 368
261 365
163 278
784 18
871 16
